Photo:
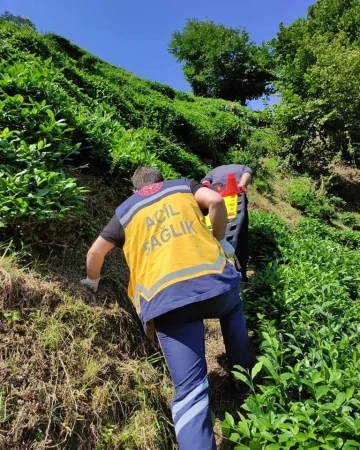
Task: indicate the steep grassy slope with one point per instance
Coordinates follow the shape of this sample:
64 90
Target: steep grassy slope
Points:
72 129
79 373
63 109
75 373
75 368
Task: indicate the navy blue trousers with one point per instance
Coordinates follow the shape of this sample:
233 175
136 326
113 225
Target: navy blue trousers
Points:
181 335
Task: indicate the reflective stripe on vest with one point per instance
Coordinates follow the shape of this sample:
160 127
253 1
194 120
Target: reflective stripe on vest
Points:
142 203
178 275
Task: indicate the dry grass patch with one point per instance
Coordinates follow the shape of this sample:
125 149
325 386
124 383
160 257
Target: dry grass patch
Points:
274 202
72 370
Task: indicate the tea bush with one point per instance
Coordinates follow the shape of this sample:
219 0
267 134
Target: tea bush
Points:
349 219
63 111
30 191
267 235
306 307
315 228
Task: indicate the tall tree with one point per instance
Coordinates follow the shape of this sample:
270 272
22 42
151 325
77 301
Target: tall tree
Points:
222 62
319 77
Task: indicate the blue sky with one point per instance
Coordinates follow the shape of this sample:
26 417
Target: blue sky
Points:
134 34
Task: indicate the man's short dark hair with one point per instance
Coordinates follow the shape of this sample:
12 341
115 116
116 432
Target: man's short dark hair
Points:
146 175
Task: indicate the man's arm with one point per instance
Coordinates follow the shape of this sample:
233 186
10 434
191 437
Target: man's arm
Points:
245 179
111 236
95 257
211 200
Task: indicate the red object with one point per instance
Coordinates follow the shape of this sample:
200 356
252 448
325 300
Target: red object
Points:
231 185
242 189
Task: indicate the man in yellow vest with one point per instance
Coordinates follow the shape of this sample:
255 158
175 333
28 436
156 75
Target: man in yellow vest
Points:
179 276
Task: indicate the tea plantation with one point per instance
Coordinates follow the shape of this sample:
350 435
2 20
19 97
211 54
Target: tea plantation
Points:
76 371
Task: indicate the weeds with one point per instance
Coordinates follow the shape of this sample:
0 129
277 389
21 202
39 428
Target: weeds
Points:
303 195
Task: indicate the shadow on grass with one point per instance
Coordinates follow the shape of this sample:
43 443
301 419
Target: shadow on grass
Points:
348 187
